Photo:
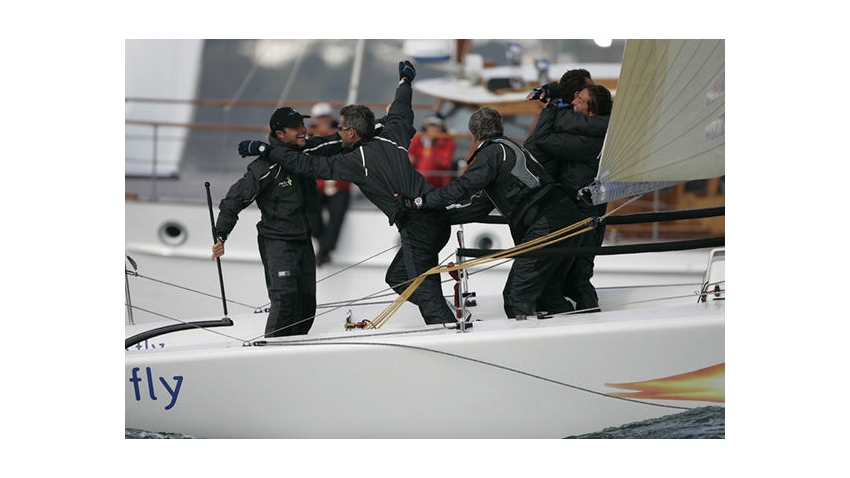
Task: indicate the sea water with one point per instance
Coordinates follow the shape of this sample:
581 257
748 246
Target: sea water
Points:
703 422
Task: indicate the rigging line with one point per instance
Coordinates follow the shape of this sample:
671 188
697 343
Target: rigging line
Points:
389 291
484 269
356 302
352 304
135 274
357 263
635 302
352 301
244 83
621 206
494 365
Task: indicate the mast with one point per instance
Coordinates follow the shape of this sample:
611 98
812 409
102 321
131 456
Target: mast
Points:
356 69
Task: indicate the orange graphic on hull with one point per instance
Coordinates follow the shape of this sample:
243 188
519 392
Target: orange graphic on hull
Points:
707 385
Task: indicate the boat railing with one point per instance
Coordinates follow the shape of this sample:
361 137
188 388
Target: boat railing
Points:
151 156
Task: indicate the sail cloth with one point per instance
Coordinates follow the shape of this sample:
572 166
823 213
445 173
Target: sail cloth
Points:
667 123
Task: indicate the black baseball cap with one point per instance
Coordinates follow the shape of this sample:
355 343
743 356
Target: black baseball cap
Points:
286 117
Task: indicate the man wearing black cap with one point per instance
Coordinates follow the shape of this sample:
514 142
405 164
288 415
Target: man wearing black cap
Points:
283 233
380 166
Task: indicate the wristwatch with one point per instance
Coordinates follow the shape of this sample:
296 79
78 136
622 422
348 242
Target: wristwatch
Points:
417 203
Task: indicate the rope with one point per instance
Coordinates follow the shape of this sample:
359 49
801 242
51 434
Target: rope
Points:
171 284
587 224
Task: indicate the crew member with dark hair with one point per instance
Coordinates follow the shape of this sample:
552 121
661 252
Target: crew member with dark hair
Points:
283 233
556 95
568 140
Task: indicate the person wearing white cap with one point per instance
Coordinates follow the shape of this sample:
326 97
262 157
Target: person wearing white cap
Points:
322 110
334 196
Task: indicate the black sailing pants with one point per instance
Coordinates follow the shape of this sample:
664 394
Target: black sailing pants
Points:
328 232
422 238
534 283
577 285
290 268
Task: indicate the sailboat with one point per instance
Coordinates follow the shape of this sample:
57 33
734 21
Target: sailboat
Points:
375 370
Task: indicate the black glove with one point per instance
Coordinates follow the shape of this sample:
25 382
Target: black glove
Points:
406 70
252 147
584 197
404 204
545 93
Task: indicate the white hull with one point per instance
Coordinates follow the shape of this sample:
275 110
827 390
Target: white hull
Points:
547 378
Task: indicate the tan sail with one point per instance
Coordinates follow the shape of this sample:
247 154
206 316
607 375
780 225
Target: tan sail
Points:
667 124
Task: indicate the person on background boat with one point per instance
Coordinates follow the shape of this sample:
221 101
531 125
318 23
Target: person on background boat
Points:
379 165
531 200
283 233
567 140
334 196
431 151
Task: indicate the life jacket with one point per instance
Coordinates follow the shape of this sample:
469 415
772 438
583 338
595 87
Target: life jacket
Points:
527 189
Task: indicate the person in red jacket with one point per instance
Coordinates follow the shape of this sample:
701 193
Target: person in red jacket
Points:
431 152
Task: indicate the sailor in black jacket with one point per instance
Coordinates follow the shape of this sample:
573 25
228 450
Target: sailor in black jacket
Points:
568 140
380 166
283 233
530 199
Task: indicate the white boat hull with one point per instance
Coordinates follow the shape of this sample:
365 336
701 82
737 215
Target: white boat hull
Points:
548 378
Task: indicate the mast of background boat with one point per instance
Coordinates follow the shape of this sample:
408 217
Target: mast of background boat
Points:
356 69
291 80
